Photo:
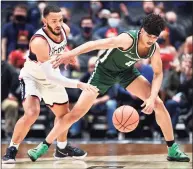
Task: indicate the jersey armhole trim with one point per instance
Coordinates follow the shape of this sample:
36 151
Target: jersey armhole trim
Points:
64 31
131 45
154 48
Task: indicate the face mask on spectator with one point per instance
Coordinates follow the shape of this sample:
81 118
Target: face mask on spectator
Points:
95 7
20 18
171 23
113 22
87 30
65 20
161 41
22 46
104 21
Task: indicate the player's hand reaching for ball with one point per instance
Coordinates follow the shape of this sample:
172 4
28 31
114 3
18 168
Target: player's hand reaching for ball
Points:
149 105
87 87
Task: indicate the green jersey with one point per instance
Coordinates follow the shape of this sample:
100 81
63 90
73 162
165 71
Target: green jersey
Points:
118 60
117 66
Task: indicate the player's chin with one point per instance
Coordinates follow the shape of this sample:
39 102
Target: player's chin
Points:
58 32
149 44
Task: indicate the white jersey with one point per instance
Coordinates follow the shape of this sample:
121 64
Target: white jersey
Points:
32 66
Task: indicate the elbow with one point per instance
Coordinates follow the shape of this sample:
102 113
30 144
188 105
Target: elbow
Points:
158 75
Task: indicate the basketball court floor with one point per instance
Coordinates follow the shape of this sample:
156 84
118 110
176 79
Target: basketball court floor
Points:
101 155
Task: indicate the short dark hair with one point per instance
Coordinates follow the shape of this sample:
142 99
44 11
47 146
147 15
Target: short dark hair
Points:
21 6
153 24
51 8
85 18
116 11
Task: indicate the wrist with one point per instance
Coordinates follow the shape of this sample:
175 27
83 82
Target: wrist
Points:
79 85
152 97
72 53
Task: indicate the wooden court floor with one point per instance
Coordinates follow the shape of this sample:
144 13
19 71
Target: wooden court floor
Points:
105 156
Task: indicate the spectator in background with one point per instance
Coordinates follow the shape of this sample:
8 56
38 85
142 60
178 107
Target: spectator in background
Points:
17 58
95 7
160 10
168 54
167 51
188 46
17 33
103 103
74 30
104 14
148 8
177 31
180 89
35 14
86 26
113 28
10 96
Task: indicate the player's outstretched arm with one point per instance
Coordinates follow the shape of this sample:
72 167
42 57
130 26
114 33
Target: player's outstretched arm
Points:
123 41
52 75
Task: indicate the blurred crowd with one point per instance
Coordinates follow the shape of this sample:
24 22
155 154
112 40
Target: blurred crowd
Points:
93 20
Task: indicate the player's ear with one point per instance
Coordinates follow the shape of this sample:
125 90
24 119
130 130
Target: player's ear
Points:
44 21
142 30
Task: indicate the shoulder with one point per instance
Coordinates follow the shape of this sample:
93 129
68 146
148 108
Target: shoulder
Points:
157 47
38 41
125 36
7 25
66 28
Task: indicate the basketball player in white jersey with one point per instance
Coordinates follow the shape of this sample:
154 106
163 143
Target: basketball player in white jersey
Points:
40 81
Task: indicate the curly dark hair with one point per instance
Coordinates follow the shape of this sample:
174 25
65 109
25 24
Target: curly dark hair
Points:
153 24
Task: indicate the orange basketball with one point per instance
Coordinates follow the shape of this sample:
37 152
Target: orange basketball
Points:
125 119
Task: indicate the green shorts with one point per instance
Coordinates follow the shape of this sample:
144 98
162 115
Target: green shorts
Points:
103 79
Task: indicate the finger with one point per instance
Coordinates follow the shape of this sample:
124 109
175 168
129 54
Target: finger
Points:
145 109
93 88
66 67
52 61
151 110
55 65
148 110
96 89
58 57
143 104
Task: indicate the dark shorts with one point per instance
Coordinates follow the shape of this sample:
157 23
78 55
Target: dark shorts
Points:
103 79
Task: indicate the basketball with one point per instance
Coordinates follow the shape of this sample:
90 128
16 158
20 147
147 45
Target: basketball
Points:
125 119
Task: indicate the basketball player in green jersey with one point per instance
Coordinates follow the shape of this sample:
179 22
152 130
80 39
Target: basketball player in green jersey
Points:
116 65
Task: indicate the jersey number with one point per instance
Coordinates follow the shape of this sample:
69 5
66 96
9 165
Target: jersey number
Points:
129 63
